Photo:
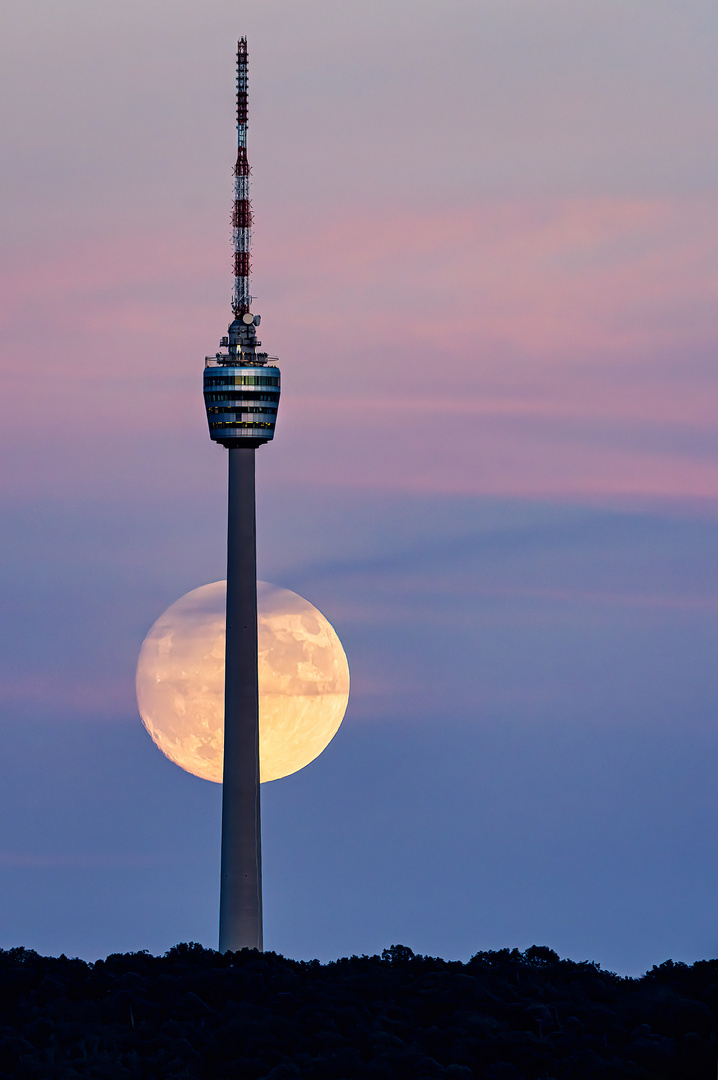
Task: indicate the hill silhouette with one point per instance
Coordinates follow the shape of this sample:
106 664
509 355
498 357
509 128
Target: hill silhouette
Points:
504 1015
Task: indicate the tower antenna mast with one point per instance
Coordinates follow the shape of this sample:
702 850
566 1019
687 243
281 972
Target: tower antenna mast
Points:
242 211
241 394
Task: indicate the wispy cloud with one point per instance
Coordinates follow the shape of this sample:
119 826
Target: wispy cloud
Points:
28 861
558 347
99 698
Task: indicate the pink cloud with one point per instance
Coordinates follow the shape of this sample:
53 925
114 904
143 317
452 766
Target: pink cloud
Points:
554 280
554 348
95 697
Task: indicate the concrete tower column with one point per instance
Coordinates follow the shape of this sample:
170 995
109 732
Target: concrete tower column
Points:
240 905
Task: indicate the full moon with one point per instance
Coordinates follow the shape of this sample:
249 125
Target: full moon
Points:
303 681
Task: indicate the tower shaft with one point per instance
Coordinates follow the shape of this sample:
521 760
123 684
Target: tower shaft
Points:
240 908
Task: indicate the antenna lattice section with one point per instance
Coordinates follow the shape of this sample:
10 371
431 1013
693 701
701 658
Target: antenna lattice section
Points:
242 210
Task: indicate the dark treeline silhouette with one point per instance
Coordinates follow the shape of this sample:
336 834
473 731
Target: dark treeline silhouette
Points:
504 1015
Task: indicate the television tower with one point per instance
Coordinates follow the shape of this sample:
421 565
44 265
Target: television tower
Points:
241 394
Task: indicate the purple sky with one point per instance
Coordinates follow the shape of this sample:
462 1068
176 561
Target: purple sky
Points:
486 251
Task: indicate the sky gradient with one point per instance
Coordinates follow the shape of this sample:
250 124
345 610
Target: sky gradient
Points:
486 252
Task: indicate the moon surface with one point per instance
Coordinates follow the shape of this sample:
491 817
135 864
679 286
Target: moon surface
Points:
303 681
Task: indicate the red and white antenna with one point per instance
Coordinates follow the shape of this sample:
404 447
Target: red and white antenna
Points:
242 212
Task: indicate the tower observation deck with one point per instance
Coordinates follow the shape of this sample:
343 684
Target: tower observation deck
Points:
241 396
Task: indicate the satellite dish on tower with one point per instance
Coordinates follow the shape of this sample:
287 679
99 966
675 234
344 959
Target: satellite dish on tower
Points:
247 319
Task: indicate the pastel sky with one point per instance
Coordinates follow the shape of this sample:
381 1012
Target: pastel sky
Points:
486 252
